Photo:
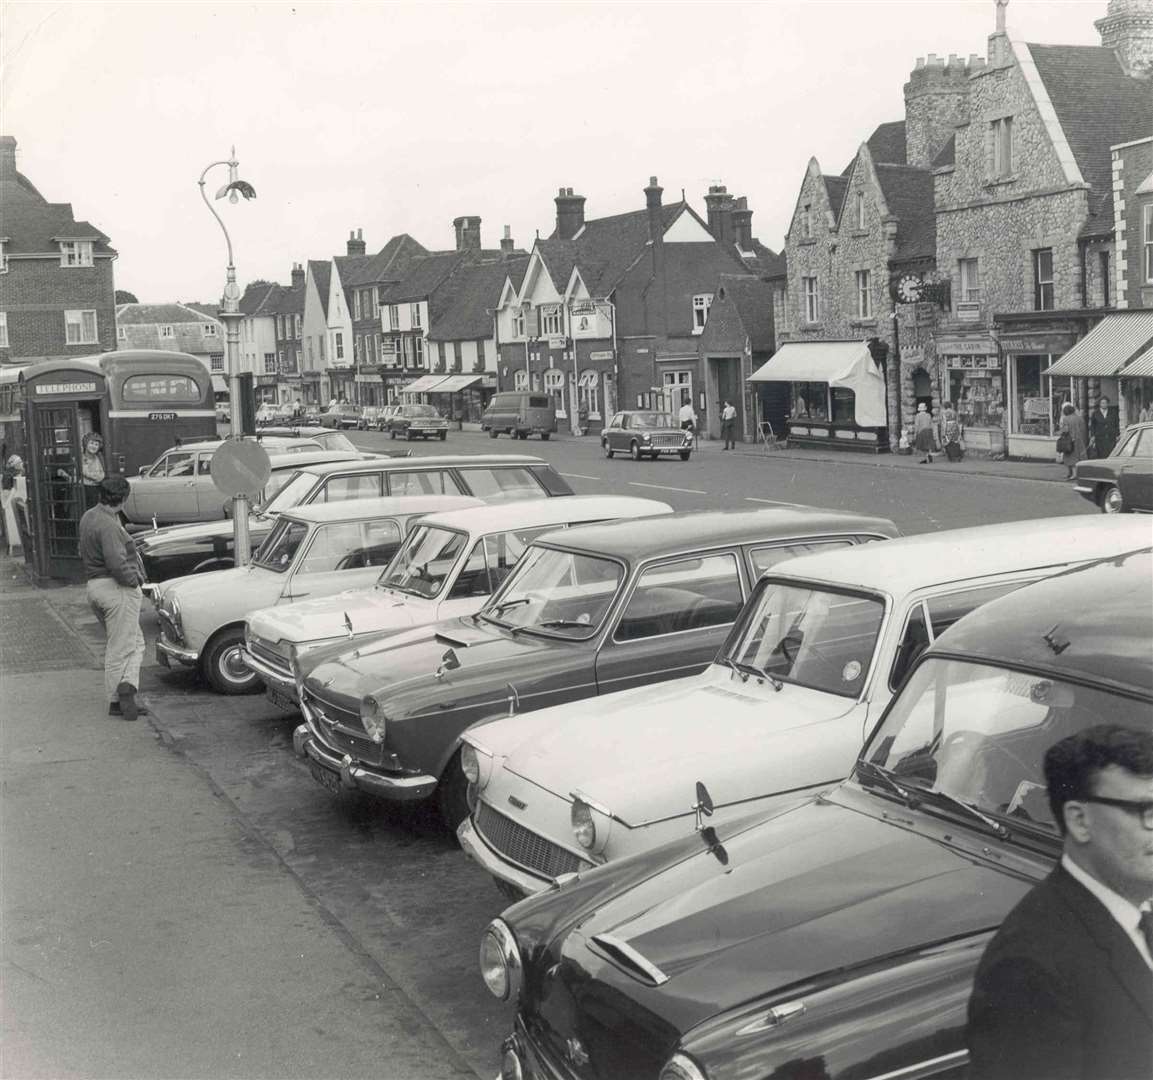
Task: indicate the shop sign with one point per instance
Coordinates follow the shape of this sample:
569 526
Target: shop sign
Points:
1034 408
983 362
66 388
1037 344
557 342
913 355
366 379
966 347
602 354
589 319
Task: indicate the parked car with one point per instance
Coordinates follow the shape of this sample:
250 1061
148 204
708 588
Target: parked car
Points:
449 565
821 647
223 412
330 439
369 417
272 413
338 476
586 612
1123 482
178 486
519 414
342 415
413 421
645 433
311 551
839 938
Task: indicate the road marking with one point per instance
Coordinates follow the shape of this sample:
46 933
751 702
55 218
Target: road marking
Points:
579 476
772 502
666 487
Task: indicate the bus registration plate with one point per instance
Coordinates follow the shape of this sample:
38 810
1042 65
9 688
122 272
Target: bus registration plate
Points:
162 416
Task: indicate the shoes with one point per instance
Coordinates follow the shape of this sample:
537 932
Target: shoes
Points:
126 699
923 461
141 710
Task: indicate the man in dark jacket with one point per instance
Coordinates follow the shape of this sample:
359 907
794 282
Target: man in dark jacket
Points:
1103 428
115 574
1065 988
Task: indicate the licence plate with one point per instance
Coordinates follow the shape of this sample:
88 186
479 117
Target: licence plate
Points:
327 780
280 699
162 658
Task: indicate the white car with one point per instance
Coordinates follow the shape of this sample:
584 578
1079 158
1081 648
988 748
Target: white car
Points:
311 551
819 649
449 565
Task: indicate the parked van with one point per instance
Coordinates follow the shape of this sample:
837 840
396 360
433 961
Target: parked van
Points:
520 415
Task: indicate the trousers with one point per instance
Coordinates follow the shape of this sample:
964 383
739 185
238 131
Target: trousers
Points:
118 609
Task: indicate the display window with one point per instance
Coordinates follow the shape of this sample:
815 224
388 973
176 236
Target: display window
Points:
811 401
1037 398
976 390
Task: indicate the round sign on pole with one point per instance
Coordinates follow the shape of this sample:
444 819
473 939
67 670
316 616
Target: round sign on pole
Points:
240 468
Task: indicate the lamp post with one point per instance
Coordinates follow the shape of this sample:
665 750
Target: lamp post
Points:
231 315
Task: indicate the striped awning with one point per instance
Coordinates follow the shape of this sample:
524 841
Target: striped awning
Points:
1108 347
422 385
1140 367
455 383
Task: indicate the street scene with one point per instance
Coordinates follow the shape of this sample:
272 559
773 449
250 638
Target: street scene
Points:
585 642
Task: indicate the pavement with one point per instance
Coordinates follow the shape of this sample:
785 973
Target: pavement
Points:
148 928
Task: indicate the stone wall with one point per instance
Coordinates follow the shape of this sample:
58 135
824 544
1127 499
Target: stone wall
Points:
1132 164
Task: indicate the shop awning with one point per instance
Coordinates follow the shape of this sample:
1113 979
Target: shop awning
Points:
1141 366
454 383
422 385
1106 349
838 363
219 384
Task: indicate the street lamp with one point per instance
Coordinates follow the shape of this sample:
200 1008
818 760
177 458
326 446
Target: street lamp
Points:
231 315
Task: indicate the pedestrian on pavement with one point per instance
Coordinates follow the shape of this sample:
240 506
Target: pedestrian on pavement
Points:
13 500
1072 440
1065 988
115 574
923 433
1102 428
688 417
952 435
582 418
729 426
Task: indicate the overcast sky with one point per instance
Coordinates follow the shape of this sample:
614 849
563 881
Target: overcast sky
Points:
399 117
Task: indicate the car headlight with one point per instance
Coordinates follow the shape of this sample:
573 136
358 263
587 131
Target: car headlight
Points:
500 962
476 762
373 718
583 826
680 1067
645 436
688 437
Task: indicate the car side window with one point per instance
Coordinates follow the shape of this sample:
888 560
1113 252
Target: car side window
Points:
766 557
176 464
350 545
914 641
503 485
623 422
422 483
204 465
689 594
1143 447
357 486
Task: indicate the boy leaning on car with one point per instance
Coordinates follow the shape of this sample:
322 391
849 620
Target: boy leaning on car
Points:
115 574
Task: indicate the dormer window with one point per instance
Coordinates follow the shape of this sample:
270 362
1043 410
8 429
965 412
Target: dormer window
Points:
701 304
166 331
210 329
552 322
75 252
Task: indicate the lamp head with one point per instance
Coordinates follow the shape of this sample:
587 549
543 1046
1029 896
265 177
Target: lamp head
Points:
237 187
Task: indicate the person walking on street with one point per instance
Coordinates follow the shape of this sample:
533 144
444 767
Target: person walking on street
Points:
582 418
1102 428
115 574
952 435
729 426
923 433
688 417
1072 440
1064 991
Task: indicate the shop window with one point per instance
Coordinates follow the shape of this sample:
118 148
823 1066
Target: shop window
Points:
1043 279
554 387
588 393
678 387
976 391
1038 398
810 401
843 402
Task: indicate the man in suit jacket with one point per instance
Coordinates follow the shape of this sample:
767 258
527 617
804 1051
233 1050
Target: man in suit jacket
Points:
1065 988
1103 428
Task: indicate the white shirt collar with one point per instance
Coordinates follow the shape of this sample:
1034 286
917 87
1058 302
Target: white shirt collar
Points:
1126 913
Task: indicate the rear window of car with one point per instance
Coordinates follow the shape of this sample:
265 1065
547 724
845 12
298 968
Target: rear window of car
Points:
503 485
538 403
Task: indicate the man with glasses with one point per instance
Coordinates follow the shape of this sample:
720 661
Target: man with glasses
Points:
1065 988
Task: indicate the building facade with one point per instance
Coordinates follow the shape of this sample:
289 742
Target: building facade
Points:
175 328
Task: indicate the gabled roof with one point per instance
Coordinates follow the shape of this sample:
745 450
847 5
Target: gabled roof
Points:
753 300
835 188
321 271
887 143
260 298
31 225
349 267
423 275
290 301
766 263
388 263
1098 105
156 314
462 308
211 310
908 191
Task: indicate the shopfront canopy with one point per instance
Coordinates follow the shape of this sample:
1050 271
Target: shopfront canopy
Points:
454 383
1141 366
838 363
1108 347
422 385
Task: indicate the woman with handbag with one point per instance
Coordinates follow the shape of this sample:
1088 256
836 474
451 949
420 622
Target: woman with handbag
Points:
923 438
952 435
1072 438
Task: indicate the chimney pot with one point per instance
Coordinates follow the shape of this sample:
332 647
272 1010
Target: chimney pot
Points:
570 214
467 230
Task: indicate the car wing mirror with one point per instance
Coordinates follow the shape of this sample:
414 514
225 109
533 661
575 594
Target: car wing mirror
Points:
703 807
448 662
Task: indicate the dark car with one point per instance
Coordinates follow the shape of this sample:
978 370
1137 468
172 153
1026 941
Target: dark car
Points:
585 612
342 415
416 421
642 434
194 549
839 938
1122 482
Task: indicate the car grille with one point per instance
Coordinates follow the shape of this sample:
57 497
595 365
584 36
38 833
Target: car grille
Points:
672 441
265 652
343 731
522 846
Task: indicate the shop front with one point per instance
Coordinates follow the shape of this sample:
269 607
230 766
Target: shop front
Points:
973 382
836 394
462 398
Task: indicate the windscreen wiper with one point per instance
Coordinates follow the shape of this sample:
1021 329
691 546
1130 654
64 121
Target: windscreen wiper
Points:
1000 830
745 670
504 605
878 772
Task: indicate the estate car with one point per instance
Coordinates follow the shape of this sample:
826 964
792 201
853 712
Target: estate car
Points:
1122 482
642 434
838 938
586 611
782 711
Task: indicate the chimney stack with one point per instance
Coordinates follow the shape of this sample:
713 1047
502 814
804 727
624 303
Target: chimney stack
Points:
7 157
507 244
743 224
356 242
720 213
297 276
467 233
570 213
1127 29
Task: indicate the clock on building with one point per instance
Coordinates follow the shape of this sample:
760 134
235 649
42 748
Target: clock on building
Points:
909 289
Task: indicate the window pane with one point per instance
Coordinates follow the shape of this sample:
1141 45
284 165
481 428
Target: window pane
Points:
422 483
503 485
364 486
278 551
765 557
175 465
333 547
163 388
688 595
946 610
473 578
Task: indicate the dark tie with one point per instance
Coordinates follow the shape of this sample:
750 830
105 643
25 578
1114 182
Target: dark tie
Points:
1146 925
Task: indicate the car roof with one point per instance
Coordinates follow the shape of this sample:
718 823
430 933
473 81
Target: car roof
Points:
1093 623
443 460
311 457
387 506
671 533
213 444
530 513
304 431
917 562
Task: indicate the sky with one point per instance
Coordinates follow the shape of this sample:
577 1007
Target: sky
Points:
399 117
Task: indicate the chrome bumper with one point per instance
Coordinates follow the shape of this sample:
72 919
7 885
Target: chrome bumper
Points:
271 677
357 777
174 652
474 846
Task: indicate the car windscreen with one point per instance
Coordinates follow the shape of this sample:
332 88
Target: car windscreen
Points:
810 636
281 545
424 562
978 733
420 410
652 420
336 440
557 592
290 494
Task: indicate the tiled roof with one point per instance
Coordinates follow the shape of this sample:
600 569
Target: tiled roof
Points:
32 225
1098 106
947 154
290 301
462 308
349 267
423 275
753 300
909 193
559 256
389 262
152 314
766 263
211 310
887 143
260 298
836 186
321 271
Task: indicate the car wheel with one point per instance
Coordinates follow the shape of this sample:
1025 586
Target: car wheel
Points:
452 794
1111 500
522 435
443 435
492 433
392 433
223 667
408 435
635 451
685 455
544 436
607 449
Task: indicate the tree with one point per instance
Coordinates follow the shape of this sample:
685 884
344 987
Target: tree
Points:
123 296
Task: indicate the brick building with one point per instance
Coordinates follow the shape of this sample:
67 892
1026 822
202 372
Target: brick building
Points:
288 329
57 296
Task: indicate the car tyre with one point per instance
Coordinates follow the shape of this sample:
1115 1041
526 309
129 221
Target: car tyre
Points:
443 435
607 449
686 454
452 794
522 435
635 451
1112 501
392 433
409 436
223 668
544 436
492 433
